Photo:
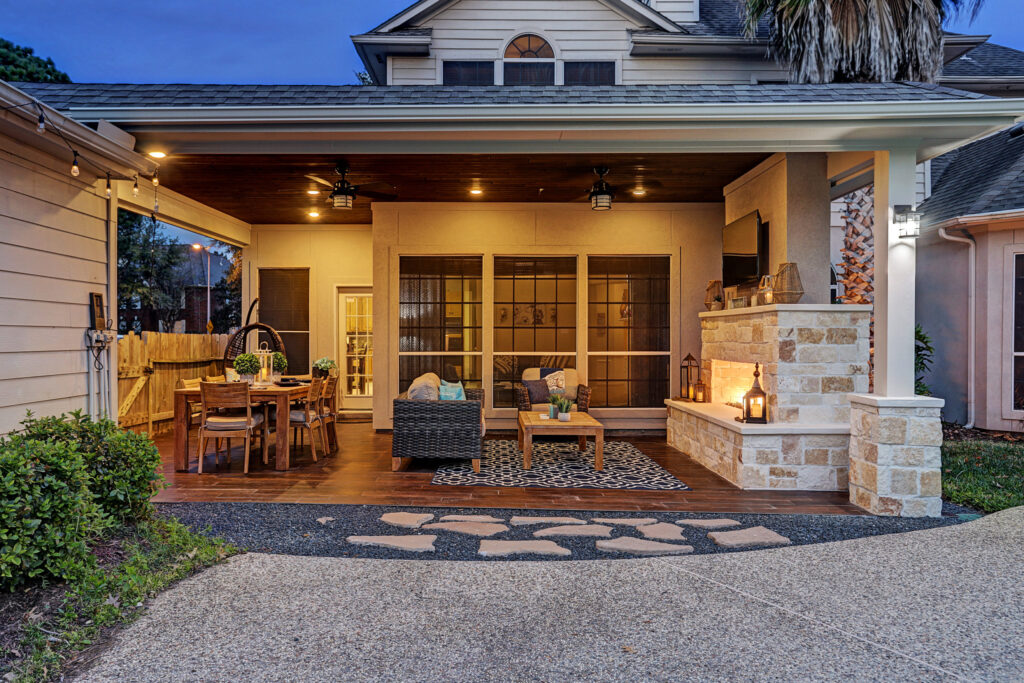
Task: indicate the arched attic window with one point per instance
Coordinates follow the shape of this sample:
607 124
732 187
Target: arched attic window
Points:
529 60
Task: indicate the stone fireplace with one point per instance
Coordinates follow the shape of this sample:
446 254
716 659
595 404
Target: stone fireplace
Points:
812 356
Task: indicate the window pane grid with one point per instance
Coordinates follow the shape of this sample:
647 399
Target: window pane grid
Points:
535 304
440 303
1017 399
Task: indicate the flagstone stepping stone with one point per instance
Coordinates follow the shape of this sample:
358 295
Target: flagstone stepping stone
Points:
575 530
505 548
627 521
662 531
471 528
523 521
470 518
419 543
708 523
746 538
406 520
639 546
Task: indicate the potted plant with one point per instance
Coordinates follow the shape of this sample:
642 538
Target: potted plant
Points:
280 364
553 400
323 367
564 408
247 365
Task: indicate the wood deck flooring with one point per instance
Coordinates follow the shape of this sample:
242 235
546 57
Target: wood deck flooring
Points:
360 473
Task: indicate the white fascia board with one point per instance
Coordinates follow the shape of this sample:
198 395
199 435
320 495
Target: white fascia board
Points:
391 39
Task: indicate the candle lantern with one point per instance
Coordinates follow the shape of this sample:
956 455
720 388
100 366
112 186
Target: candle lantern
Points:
688 375
766 291
266 358
755 401
700 392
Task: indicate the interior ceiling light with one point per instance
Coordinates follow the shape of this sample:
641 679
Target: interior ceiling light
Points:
314 214
343 193
601 193
158 155
639 192
476 191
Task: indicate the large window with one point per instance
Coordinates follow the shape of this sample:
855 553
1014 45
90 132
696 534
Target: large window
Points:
589 73
628 331
529 60
284 305
439 326
534 319
468 73
1018 332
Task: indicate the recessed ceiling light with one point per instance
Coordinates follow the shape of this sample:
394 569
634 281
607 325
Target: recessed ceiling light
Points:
639 192
314 214
312 191
158 155
476 191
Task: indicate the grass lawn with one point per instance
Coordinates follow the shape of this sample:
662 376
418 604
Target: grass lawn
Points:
986 475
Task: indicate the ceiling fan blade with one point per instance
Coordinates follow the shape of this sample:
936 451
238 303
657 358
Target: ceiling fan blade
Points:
370 194
320 180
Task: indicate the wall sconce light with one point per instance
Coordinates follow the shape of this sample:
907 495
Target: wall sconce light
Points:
907 220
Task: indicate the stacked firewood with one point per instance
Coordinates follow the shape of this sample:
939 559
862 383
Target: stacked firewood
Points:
858 266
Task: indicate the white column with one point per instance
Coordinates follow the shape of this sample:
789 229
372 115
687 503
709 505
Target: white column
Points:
894 276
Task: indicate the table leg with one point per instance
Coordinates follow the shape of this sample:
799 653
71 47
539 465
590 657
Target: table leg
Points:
281 455
519 433
527 449
180 433
583 442
599 450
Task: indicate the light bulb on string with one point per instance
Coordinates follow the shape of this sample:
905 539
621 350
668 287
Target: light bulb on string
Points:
135 187
41 125
74 165
108 186
156 178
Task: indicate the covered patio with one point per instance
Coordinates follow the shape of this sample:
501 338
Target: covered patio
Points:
491 194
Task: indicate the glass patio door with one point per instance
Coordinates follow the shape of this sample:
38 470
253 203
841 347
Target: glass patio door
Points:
355 316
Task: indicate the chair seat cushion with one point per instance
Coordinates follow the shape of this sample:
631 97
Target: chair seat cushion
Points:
300 416
232 422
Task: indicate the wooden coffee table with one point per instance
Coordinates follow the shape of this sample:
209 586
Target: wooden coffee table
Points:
579 424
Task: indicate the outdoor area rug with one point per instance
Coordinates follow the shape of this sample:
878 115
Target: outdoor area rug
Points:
560 464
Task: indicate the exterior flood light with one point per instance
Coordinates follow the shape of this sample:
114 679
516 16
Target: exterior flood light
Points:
908 221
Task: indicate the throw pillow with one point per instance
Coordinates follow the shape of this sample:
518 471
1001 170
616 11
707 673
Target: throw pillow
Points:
544 372
452 391
556 382
425 387
538 390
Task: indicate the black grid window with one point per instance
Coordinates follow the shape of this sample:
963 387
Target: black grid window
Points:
589 73
284 305
529 73
463 368
468 73
628 330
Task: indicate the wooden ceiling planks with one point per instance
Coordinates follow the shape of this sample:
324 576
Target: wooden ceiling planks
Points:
263 189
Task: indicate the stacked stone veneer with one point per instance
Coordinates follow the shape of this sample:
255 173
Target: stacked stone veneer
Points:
895 457
811 356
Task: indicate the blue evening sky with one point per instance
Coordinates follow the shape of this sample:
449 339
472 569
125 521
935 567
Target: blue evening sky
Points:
251 41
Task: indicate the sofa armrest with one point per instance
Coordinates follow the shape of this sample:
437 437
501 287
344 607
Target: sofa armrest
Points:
583 398
523 399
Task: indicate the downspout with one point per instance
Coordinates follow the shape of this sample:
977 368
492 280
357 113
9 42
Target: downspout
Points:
972 329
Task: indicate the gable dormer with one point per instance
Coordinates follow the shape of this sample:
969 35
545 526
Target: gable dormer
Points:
586 42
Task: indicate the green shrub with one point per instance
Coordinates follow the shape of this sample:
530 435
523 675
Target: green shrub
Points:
122 465
46 512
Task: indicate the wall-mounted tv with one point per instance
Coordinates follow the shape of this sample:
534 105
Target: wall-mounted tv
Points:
744 250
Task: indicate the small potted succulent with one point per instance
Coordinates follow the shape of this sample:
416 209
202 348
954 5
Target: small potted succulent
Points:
564 408
323 367
280 364
553 405
247 365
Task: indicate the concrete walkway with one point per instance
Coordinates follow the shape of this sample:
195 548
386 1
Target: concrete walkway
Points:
926 605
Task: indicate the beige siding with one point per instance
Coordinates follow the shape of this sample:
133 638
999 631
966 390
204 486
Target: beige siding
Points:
678 11
577 29
53 253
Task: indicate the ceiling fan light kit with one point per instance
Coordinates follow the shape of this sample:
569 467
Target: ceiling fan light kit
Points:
601 194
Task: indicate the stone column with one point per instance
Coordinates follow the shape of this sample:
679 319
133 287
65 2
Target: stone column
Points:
895 457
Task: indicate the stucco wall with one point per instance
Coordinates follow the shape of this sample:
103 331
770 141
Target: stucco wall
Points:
690 233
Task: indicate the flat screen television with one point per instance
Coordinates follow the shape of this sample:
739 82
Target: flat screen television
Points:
744 250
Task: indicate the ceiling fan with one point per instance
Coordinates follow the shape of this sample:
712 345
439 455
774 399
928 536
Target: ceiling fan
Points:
343 193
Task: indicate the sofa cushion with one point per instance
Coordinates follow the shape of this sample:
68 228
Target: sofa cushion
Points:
538 390
572 379
426 387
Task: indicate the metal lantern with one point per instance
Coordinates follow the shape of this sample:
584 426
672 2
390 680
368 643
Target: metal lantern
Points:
689 373
601 194
755 401
907 220
343 195
266 358
700 392
766 291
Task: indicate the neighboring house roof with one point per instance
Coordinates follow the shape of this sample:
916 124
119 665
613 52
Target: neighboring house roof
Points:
722 18
72 96
987 60
983 177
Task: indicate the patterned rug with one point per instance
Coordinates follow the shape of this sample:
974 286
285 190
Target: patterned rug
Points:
560 464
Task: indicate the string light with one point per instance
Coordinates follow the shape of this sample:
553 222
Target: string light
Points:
135 187
41 125
156 178
74 165
108 185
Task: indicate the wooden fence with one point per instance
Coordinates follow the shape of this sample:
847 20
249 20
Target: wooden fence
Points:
149 368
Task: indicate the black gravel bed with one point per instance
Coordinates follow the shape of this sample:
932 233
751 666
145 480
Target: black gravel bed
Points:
293 529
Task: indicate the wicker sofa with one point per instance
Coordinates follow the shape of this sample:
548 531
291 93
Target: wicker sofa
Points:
438 429
580 393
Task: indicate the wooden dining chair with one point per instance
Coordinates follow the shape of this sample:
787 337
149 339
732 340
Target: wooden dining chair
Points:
329 412
307 417
195 413
218 400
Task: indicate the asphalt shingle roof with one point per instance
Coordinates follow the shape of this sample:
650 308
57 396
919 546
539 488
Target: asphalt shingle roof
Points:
70 96
983 177
722 18
987 60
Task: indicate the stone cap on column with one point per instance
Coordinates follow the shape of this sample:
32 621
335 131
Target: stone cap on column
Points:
877 401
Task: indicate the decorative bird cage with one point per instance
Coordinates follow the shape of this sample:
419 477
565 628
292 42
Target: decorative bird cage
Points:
237 344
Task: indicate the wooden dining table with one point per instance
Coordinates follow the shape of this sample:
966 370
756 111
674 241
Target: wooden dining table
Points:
279 396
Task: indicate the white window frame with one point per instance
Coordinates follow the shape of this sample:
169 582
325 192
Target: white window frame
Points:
1007 353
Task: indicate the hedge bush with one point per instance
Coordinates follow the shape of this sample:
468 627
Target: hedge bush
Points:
47 512
122 465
